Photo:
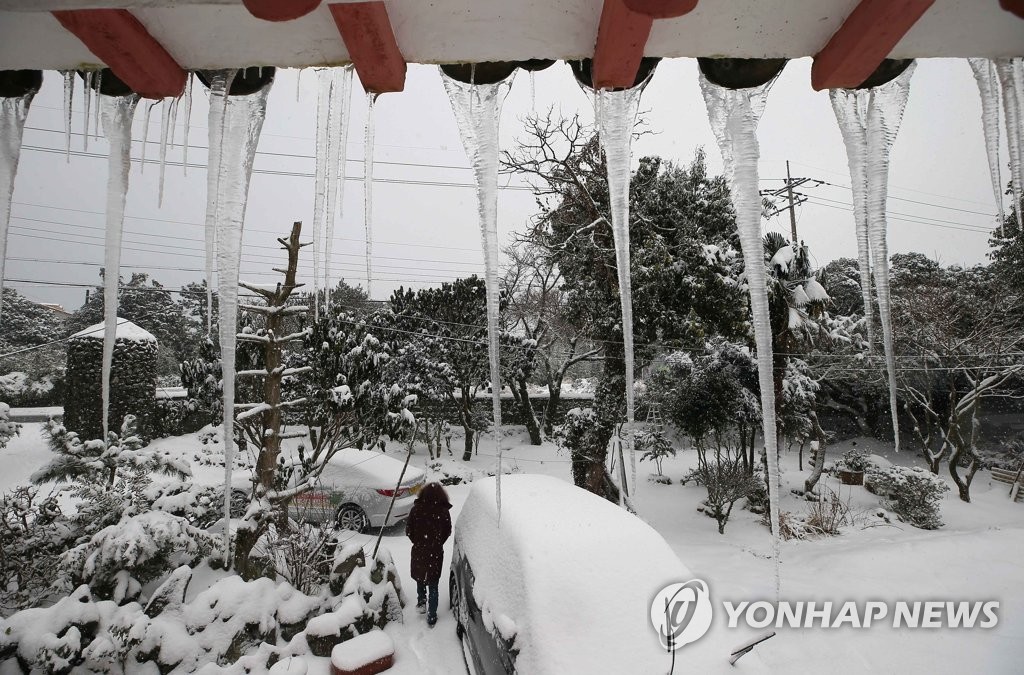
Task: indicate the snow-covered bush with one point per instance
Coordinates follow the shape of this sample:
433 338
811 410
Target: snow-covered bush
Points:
576 435
913 494
95 462
37 388
654 446
8 429
854 460
116 561
132 380
726 479
33 534
245 625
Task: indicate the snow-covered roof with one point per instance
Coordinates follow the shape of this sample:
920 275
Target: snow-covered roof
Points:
126 330
222 33
571 575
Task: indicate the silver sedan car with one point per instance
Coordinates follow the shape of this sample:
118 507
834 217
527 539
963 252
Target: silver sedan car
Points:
355 490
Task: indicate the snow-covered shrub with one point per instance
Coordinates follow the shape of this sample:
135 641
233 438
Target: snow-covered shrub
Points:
8 429
301 555
33 534
726 480
854 460
120 558
200 505
96 462
576 435
654 446
913 494
245 625
132 380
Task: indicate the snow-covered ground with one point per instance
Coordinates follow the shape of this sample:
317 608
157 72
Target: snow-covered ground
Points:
976 556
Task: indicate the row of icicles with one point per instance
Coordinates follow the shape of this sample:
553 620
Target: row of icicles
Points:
869 120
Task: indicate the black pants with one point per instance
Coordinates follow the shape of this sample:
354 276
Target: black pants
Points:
422 596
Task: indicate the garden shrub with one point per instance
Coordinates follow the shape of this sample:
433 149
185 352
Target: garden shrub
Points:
8 429
913 494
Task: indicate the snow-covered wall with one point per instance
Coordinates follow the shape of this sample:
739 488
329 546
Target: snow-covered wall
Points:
222 33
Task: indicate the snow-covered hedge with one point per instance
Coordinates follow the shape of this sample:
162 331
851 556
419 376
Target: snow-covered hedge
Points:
234 626
116 561
132 381
8 429
913 494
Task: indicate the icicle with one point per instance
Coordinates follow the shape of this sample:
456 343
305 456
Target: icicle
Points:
368 191
988 89
298 84
478 113
616 116
145 136
339 114
324 87
165 129
236 135
13 112
734 115
1010 78
87 93
851 110
69 95
117 113
174 121
96 109
184 134
533 90
220 83
885 112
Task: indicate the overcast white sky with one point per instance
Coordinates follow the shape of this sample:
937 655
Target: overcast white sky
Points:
940 204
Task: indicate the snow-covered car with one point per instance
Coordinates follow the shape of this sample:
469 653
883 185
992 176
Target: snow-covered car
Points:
355 489
563 584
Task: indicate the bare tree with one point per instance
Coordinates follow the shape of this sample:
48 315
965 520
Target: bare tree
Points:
962 342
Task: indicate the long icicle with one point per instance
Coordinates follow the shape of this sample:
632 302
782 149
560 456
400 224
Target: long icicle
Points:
478 112
13 111
368 190
340 108
117 114
851 110
988 89
220 83
165 130
324 86
87 94
185 129
69 96
616 116
242 122
734 115
885 112
1009 74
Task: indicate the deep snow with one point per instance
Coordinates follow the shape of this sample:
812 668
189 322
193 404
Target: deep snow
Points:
975 556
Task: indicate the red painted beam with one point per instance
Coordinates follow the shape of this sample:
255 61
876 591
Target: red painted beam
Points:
864 41
1013 6
120 41
661 9
621 39
280 10
370 40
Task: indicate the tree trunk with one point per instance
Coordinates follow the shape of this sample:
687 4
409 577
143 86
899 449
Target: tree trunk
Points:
609 401
554 396
819 455
466 417
531 419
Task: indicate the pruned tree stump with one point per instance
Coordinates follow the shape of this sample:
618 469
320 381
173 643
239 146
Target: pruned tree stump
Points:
365 654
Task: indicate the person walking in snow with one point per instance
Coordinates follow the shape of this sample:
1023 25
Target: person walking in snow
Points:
429 526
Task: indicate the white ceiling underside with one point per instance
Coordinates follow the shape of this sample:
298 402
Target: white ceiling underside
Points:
221 33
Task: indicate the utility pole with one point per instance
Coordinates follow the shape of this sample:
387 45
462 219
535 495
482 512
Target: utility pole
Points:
794 198
792 208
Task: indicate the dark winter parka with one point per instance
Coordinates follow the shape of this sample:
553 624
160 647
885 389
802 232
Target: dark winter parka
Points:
429 526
